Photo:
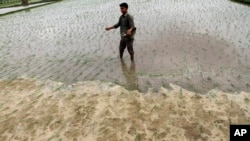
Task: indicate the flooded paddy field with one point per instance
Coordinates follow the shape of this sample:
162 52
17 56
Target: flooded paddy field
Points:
197 45
61 77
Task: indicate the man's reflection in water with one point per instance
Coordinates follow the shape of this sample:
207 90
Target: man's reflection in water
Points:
130 75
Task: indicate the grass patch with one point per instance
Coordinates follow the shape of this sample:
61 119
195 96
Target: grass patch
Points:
246 2
16 4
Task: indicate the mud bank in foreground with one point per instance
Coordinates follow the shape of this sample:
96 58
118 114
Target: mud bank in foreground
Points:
96 111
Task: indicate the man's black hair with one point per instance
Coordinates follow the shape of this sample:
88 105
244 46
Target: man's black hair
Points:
124 5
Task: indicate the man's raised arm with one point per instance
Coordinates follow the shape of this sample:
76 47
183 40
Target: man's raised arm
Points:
114 26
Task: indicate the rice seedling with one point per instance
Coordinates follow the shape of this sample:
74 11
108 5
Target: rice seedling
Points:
181 92
154 136
197 96
138 137
248 85
247 100
209 78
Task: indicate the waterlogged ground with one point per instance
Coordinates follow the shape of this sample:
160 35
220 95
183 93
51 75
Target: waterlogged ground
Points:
57 64
196 44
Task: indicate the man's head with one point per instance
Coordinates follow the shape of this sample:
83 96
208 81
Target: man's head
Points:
124 8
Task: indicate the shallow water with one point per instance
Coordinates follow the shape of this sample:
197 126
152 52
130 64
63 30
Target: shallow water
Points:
196 44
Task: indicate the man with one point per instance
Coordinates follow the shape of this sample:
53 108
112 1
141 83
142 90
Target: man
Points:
127 31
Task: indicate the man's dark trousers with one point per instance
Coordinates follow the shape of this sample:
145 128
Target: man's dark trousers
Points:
129 44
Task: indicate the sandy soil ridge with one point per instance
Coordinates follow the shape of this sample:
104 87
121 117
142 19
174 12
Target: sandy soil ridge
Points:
96 111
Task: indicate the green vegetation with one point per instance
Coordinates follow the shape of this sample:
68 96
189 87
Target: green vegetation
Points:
243 1
247 100
14 3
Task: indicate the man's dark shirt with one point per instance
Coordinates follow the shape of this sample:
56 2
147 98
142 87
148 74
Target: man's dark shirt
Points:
125 23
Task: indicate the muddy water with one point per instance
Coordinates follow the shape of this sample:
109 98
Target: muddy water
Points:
198 45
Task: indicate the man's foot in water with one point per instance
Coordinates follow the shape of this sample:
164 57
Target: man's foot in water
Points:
132 57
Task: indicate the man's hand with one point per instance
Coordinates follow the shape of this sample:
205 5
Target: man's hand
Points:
109 28
129 32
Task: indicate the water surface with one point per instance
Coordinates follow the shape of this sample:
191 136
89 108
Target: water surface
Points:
197 44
